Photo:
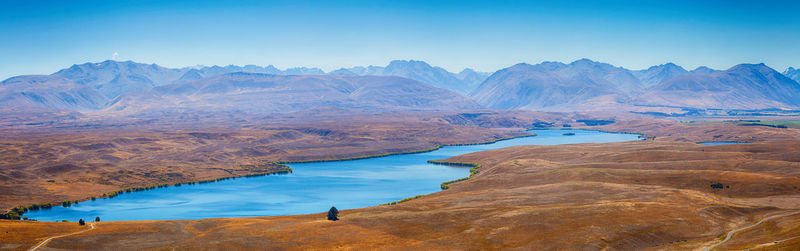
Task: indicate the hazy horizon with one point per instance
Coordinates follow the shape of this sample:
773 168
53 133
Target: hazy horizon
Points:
48 36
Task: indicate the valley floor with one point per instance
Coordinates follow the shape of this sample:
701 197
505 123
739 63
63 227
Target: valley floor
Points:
655 194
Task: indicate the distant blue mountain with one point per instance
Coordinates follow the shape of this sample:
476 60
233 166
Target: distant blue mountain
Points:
703 70
793 74
268 93
656 74
587 85
113 78
472 78
552 85
211 71
462 83
580 85
46 91
744 86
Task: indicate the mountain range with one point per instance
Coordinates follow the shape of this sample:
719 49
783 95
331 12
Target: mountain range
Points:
463 82
793 73
130 87
268 93
589 85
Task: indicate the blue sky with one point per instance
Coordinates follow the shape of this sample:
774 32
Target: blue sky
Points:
40 37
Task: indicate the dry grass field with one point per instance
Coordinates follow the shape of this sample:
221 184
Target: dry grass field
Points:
77 160
653 194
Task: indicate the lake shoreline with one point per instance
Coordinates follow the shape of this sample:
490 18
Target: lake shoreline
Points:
592 134
17 213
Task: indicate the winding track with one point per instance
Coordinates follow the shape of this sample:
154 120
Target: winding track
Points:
731 233
41 244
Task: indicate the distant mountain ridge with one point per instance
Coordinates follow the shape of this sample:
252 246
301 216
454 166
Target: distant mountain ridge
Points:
93 86
587 85
269 93
112 78
793 73
525 86
580 85
744 86
656 74
47 91
463 82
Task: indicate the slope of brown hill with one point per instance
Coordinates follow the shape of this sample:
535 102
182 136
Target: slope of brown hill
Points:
619 196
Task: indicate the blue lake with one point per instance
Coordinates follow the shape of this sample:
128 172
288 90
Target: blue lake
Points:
716 143
311 188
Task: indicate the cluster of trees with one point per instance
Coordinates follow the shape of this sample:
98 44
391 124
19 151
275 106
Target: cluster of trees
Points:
399 153
474 170
81 222
132 189
362 157
403 200
595 122
760 124
17 212
718 185
542 124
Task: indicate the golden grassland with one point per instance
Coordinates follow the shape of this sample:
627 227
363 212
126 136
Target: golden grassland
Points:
52 166
644 195
655 194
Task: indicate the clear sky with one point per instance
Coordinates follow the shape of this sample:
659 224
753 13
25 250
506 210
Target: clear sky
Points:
40 37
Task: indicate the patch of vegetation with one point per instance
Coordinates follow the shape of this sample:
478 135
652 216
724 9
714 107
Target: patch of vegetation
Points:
474 170
541 124
762 124
780 123
595 122
333 214
403 200
718 185
406 152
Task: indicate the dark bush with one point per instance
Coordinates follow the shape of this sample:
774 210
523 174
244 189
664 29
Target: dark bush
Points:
333 214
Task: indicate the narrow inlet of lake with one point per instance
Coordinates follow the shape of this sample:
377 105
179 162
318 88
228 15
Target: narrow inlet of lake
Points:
311 188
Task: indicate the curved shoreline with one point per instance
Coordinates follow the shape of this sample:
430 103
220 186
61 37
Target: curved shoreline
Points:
437 147
19 211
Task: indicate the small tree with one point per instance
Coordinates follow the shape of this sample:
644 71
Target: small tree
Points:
333 214
97 219
81 222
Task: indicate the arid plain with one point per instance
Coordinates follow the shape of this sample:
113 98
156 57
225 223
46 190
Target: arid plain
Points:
650 194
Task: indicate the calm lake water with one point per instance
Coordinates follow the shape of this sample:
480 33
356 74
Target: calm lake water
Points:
716 143
311 188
